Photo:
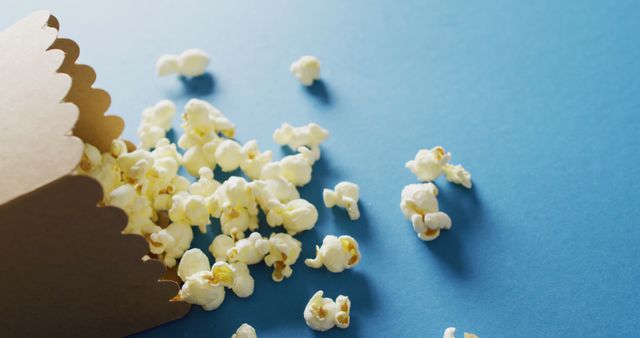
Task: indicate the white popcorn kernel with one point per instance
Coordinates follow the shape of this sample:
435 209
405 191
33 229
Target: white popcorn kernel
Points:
234 221
293 168
156 121
138 209
428 163
199 289
220 246
206 185
229 155
253 160
306 69
451 331
419 204
134 165
336 254
235 204
458 175
195 158
243 283
250 250
320 313
200 118
343 318
223 273
167 64
295 216
284 251
182 236
344 195
245 331
190 209
91 158
309 136
273 192
192 262
191 62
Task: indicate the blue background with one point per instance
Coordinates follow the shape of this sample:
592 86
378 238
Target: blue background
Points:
539 100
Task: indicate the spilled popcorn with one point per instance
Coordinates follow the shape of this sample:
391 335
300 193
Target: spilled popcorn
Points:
322 314
191 62
429 164
451 331
245 331
306 69
344 195
336 254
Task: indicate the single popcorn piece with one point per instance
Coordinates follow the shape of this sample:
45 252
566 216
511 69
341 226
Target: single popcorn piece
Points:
101 167
322 314
235 204
293 168
220 246
295 216
229 155
458 175
200 118
170 243
156 121
274 192
336 254
250 250
245 331
419 204
284 251
451 331
190 209
243 283
253 160
428 163
191 62
192 262
138 209
344 195
306 69
206 185
309 136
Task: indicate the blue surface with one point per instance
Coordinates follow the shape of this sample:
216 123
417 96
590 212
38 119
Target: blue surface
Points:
539 100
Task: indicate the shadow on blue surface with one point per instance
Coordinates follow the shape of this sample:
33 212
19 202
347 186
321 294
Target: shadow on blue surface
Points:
202 85
320 92
465 210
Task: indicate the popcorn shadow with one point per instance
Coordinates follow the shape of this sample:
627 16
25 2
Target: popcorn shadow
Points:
465 210
359 229
202 85
320 92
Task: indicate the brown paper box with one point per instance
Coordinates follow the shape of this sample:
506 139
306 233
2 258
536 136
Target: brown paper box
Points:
67 270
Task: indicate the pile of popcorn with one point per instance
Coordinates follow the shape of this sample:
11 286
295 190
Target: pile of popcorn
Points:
163 206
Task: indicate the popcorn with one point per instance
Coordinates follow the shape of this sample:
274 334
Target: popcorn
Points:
101 167
344 195
428 163
309 136
206 185
419 204
134 165
138 209
200 118
91 159
253 160
229 155
193 261
198 157
451 331
250 250
198 289
170 243
336 254
322 314
458 175
190 209
284 251
306 69
191 62
295 216
156 121
293 168
273 192
245 331
220 246
235 204
243 283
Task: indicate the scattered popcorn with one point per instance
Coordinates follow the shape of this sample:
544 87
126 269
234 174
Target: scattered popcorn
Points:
245 331
250 250
458 175
101 167
229 155
191 62
306 69
193 261
295 216
235 204
419 204
199 289
274 192
190 209
253 160
336 254
170 243
205 186
309 136
156 121
344 195
284 251
322 314
451 331
428 163
220 246
243 283
137 208
293 168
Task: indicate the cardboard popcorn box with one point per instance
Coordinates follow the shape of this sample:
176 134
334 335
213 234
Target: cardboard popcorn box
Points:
67 270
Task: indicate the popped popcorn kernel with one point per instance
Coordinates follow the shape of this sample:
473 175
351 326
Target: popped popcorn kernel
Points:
199 289
205 186
190 209
243 283
192 262
428 163
419 204
245 331
309 136
253 160
306 69
250 250
292 168
322 314
344 195
295 216
284 251
191 62
451 331
458 175
336 254
343 318
156 121
229 155
220 246
171 243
